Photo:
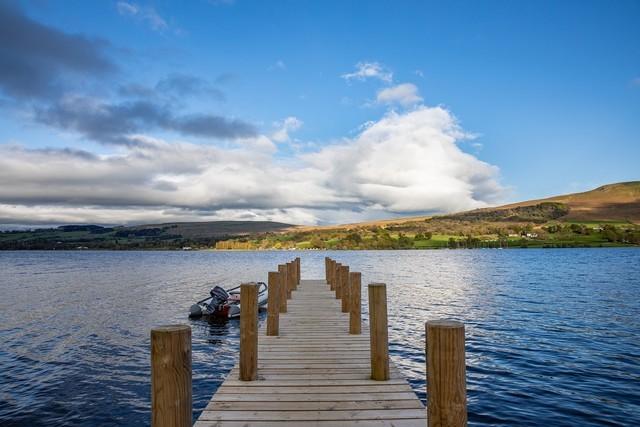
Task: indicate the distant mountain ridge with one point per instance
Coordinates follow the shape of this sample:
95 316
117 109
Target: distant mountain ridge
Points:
173 235
614 203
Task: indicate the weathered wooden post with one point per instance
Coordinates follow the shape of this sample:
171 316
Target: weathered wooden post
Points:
336 280
289 279
273 304
379 337
344 287
171 403
282 270
294 263
446 375
326 268
332 278
248 331
292 266
298 272
355 310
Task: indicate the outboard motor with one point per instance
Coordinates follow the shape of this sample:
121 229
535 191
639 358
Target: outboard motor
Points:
218 295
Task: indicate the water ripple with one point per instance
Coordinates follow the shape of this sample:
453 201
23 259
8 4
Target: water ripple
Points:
551 334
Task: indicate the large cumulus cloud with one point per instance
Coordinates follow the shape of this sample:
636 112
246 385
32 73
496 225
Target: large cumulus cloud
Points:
405 163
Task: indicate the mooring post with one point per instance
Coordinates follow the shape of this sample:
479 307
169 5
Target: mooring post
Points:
294 263
248 331
355 310
171 403
326 268
273 304
344 287
379 337
289 279
292 266
332 279
282 270
336 280
446 375
298 272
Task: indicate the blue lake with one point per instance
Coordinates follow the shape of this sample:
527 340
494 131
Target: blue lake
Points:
553 336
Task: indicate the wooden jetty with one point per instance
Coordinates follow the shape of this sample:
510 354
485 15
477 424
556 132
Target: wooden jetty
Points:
313 363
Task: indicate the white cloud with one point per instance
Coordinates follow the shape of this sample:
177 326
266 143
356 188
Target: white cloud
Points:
366 70
288 125
125 8
409 163
146 14
278 65
404 163
405 94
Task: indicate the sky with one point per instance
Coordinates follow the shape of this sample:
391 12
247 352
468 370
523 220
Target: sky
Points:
124 112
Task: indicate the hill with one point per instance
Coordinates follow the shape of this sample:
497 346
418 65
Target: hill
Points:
606 216
150 236
613 202
618 202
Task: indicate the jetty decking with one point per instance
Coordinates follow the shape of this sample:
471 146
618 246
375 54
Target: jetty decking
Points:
314 373
313 362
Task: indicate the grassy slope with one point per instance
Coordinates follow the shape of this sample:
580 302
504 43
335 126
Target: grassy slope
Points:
617 205
614 203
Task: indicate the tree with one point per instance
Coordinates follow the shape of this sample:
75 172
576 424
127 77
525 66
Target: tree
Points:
317 242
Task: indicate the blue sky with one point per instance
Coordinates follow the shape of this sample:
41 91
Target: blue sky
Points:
543 98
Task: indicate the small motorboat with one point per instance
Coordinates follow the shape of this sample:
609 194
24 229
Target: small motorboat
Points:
225 302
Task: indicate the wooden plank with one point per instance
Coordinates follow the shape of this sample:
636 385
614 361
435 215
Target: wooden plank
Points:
417 422
313 406
230 382
381 388
314 374
324 397
371 414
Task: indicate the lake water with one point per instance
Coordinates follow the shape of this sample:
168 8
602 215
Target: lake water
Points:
553 336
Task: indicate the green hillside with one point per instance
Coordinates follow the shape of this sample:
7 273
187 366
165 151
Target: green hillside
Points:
606 216
151 236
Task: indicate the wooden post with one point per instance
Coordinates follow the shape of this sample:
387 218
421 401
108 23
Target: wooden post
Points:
355 311
336 280
446 376
332 279
171 376
326 268
298 276
292 272
379 337
248 331
273 304
344 287
289 280
294 263
282 270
